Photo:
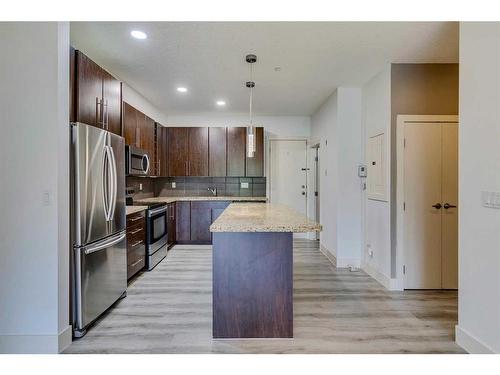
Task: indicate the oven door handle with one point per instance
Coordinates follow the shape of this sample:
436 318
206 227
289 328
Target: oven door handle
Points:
157 211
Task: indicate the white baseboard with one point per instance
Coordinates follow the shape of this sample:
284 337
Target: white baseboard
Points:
471 344
36 344
387 282
328 254
348 262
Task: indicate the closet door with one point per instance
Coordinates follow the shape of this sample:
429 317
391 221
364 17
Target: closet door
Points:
422 220
450 199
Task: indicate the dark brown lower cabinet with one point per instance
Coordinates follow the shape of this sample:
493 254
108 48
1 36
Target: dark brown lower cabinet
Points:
201 218
171 227
183 222
193 220
136 244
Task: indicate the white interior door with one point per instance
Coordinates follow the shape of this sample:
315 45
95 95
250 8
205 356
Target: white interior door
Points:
288 177
450 214
422 184
430 196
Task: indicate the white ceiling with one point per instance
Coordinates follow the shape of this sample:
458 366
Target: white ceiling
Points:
208 58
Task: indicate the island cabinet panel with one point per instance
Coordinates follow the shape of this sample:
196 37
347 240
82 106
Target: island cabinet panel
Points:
177 151
236 151
97 95
217 152
183 222
161 151
201 218
198 151
252 285
255 165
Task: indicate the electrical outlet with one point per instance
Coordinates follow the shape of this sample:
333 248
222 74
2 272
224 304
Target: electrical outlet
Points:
369 250
174 185
140 187
244 185
47 198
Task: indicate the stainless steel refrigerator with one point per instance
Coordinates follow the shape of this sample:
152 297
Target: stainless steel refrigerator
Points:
99 251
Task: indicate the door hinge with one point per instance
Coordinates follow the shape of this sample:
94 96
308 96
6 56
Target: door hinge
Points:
404 270
315 158
404 206
404 142
315 193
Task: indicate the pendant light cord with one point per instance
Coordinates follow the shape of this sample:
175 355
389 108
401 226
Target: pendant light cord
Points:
251 94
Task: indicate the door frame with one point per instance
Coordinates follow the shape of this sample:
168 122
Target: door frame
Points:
401 121
269 174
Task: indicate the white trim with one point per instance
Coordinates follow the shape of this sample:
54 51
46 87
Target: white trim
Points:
471 344
348 262
329 255
36 344
386 282
401 120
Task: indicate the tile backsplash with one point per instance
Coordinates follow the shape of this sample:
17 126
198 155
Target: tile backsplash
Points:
198 186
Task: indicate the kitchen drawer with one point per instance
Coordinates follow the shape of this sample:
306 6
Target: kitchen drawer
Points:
136 233
137 218
135 267
135 252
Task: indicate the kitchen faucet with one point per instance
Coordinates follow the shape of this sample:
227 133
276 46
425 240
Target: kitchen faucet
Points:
213 190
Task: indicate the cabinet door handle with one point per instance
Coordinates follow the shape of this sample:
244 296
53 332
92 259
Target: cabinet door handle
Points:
136 243
97 111
158 172
136 231
137 218
107 114
136 263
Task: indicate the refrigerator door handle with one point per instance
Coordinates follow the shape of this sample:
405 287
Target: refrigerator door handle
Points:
105 244
114 177
105 182
110 184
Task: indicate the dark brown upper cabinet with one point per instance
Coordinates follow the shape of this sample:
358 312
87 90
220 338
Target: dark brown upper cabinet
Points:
255 165
236 138
98 95
130 128
161 150
139 131
198 152
217 152
177 151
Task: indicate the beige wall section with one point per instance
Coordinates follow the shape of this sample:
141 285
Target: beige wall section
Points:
418 89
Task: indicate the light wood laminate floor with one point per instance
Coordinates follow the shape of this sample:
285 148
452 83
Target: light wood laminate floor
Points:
169 310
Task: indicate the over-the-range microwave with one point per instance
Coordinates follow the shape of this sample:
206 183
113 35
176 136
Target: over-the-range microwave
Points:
136 161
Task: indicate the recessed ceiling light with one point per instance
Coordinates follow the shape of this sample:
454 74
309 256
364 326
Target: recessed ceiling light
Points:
137 34
220 103
182 89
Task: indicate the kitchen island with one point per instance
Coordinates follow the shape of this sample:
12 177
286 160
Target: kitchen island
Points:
252 262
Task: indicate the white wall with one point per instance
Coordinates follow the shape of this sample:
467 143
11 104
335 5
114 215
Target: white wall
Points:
478 329
275 126
336 126
34 234
136 100
377 214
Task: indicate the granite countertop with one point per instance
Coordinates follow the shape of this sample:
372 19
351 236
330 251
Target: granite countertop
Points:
263 217
209 198
134 209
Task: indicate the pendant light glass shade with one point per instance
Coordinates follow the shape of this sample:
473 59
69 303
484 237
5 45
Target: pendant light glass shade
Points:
250 141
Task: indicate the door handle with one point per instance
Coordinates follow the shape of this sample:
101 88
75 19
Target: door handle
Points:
447 205
437 206
303 193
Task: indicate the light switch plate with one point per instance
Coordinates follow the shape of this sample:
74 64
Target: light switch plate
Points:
244 185
490 199
174 185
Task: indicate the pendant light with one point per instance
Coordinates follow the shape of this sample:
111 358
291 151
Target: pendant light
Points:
251 59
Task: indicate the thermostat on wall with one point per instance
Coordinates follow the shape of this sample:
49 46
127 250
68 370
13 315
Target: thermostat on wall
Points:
362 170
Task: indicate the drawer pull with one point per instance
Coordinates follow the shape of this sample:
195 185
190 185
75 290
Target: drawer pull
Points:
136 263
136 243
136 231
137 218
